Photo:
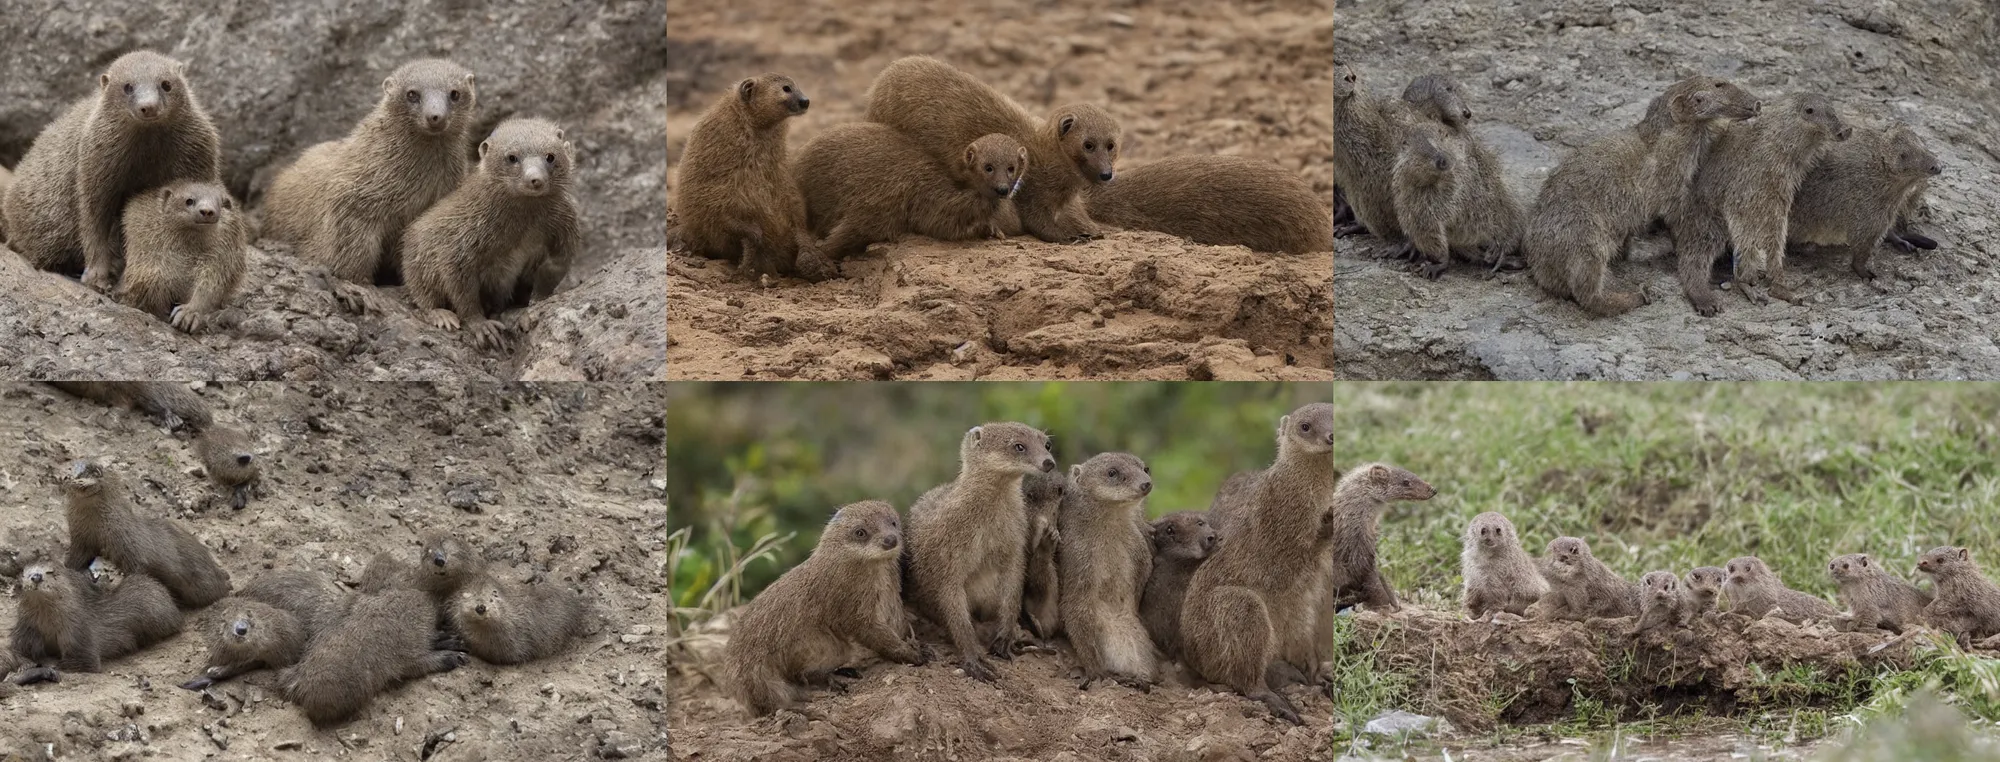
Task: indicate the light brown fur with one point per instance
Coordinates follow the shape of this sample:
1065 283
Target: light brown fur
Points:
1364 493
1487 222
865 182
1967 603
184 253
173 402
6 181
1662 603
1218 201
1580 586
103 522
443 566
1874 598
229 458
1105 561
385 639
64 619
250 635
1429 184
1368 132
1041 588
1499 574
1703 585
1852 197
736 195
505 622
1756 591
1181 542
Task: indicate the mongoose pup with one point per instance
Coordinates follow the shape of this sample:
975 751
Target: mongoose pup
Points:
385 639
865 182
142 129
1252 605
1852 196
1876 600
346 202
1356 527
1601 194
103 522
943 109
1499 574
230 460
1368 134
1041 586
511 223
1755 591
1662 603
1106 558
736 195
967 552
1428 186
504 622
1487 223
1181 541
803 626
1967 604
1742 195
184 253
1580 586
64 618
443 566
269 623
1703 585
1218 201
175 404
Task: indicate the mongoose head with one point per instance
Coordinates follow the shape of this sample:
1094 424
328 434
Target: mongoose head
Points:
1308 430
1906 156
1814 112
193 203
1185 536
1089 137
479 604
1006 448
430 95
1945 561
869 530
247 629
1660 586
446 557
83 478
528 156
227 455
1043 488
1491 531
1852 567
1345 81
1423 160
770 99
997 161
1386 483
45 584
1703 99
1704 582
1566 556
1437 97
1112 477
144 87
1747 571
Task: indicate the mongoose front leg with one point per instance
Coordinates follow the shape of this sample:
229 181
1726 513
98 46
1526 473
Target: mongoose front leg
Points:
886 643
957 615
211 290
1857 259
1435 253
563 243
443 661
97 225
845 240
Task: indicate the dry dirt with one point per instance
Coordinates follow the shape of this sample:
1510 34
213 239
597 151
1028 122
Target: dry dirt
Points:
1244 78
562 481
1543 77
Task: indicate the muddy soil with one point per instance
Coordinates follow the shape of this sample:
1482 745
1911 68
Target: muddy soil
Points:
1248 78
1545 77
558 481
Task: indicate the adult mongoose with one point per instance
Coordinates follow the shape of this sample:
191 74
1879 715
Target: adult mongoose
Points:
1967 604
1368 132
736 198
1218 201
442 566
1353 577
865 182
184 253
65 619
1755 591
1105 559
385 639
1580 586
1874 598
1499 574
103 522
1181 542
1853 194
1488 223
1041 587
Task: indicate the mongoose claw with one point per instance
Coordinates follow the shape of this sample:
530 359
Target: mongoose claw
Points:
98 280
1349 229
186 319
198 684
977 669
1281 707
355 298
34 675
488 335
1432 270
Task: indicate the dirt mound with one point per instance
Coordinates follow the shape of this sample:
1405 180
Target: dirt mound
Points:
1544 78
559 481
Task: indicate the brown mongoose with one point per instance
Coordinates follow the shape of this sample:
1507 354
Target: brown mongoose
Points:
229 458
142 129
1368 133
103 522
966 552
346 202
1967 604
1181 541
385 639
1703 585
1041 587
1499 574
803 626
1755 591
1252 605
1218 201
1852 196
250 636
184 255
504 622
1105 561
1486 226
443 566
1580 586
511 223
175 404
1356 527
943 109
1428 186
865 182
1742 196
1662 603
1876 600
1232 500
1615 186
65 619
736 195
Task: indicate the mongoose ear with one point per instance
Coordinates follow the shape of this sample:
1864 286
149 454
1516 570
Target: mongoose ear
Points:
1378 470
971 156
1964 554
388 84
484 145
974 433
1068 121
569 150
559 133
166 194
1076 471
104 80
1022 157
745 88
1864 560
1282 420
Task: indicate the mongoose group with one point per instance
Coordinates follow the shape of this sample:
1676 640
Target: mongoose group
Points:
125 189
945 155
1724 170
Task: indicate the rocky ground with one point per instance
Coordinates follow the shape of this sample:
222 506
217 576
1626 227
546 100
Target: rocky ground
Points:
1545 77
1246 78
560 481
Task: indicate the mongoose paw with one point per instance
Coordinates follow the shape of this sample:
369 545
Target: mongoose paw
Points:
488 334
443 320
1138 684
1282 707
188 319
1402 252
919 656
977 669
34 675
814 266
1705 305
355 298
239 497
99 280
1432 270
446 640
451 660
1349 230
1861 269
198 684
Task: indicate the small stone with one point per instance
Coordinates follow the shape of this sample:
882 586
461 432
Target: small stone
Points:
630 639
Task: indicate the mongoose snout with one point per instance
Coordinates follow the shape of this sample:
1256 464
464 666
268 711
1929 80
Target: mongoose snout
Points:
437 558
891 540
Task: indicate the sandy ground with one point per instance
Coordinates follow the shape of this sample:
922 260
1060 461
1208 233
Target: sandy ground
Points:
561 481
1226 78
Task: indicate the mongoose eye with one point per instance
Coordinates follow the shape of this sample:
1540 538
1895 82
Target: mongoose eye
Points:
1111 146
550 158
1718 85
1114 473
1350 78
226 205
411 96
1018 447
1306 427
1809 109
1147 469
860 533
166 87
513 159
1089 145
788 88
128 88
1169 529
455 95
989 167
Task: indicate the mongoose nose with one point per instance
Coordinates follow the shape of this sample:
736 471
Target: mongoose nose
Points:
1145 488
890 541
1937 169
1465 114
208 214
437 559
481 608
1003 190
243 459
1048 464
1845 133
149 111
805 103
241 629
35 578
434 119
1104 176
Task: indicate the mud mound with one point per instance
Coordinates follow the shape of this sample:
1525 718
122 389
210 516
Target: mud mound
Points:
1544 78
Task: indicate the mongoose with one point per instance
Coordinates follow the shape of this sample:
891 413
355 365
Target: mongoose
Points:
865 182
66 619
1601 194
1742 195
1755 591
385 639
1218 201
142 129
1853 195
942 109
1106 558
1662 602
175 404
1703 585
736 194
1356 527
1041 587
511 222
346 202
1499 574
103 522
802 627
1181 541
1428 186
1343 215
443 566
1487 223
1368 133
250 636
310 596
1967 604
1580 586
6 181
505 622
1875 599
1232 500
966 553
230 460
184 253
1252 605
